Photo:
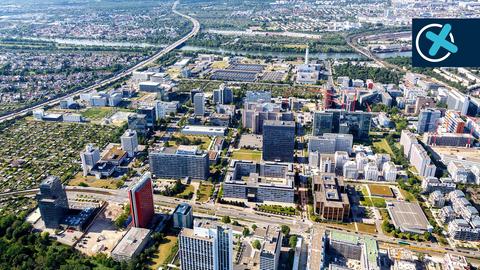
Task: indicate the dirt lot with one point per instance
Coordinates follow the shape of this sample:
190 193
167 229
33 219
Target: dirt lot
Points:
102 235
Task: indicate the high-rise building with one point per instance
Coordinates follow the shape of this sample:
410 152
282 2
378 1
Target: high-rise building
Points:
186 161
52 201
129 141
199 104
150 115
341 157
350 170
356 123
362 160
89 158
453 122
183 216
457 101
416 154
371 171
165 108
421 161
278 140
389 171
208 246
255 113
428 120
271 248
329 143
223 95
327 163
141 202
138 122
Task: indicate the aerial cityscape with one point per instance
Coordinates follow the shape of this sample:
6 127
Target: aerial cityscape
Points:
236 135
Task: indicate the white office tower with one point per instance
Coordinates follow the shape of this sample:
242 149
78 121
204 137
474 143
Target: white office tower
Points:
208 246
340 158
371 171
129 141
362 161
199 104
389 171
350 170
327 164
89 158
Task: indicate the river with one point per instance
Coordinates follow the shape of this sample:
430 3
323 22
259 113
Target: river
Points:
319 56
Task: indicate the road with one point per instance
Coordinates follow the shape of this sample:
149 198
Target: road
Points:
297 224
121 75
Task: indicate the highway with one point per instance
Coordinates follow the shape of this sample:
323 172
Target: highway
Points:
121 75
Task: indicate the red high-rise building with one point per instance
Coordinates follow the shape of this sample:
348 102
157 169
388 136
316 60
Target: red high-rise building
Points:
141 202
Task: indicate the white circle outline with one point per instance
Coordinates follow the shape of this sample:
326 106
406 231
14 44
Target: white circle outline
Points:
418 47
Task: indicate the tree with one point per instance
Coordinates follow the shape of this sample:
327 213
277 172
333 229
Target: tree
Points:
292 241
285 230
254 227
157 237
119 183
256 244
226 219
245 232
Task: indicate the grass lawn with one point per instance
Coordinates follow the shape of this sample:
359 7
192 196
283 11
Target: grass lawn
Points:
91 181
245 154
97 112
374 201
367 228
365 192
187 190
205 140
203 194
378 202
380 190
163 252
383 144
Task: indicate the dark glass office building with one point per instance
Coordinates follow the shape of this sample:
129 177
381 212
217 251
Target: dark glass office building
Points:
340 121
278 140
52 201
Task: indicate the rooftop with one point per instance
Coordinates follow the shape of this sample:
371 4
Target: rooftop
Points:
344 237
131 242
408 217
